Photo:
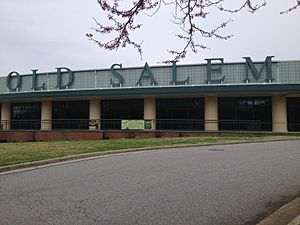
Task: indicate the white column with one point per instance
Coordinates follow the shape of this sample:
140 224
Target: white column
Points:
279 114
95 114
211 114
46 117
150 111
5 116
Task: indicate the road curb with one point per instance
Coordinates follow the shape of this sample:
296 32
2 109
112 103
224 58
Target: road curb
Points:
295 221
89 156
288 214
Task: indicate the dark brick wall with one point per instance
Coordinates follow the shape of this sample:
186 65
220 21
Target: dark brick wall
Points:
67 135
11 136
16 136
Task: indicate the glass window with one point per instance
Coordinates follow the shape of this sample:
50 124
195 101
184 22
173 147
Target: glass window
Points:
113 111
25 116
180 114
70 115
293 110
245 113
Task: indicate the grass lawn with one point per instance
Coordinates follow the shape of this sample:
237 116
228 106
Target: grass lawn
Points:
19 152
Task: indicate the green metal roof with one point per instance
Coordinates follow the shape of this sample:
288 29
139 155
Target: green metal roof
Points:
140 91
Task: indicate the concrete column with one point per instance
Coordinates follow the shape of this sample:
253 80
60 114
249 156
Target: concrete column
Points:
279 114
95 114
46 116
5 116
211 113
150 111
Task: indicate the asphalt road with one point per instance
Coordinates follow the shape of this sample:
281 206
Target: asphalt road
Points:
227 184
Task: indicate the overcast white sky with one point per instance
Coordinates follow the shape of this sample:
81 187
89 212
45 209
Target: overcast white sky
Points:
44 34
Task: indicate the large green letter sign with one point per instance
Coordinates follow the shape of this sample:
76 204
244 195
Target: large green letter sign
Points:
150 75
117 75
59 78
255 73
34 82
174 76
8 81
214 69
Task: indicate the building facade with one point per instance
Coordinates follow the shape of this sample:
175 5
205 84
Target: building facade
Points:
210 97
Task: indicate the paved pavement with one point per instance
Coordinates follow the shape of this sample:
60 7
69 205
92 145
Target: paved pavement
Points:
225 184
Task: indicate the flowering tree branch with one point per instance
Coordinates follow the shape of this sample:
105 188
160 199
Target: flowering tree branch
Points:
187 14
291 8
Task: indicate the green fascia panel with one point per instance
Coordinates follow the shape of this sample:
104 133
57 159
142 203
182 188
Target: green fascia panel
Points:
115 92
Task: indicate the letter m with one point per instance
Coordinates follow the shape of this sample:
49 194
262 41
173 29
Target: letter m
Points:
257 74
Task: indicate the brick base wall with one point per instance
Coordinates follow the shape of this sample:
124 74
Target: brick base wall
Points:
11 136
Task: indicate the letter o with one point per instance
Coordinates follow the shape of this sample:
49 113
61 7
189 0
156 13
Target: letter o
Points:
8 81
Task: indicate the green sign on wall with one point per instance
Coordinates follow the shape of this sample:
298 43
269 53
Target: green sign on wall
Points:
133 125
